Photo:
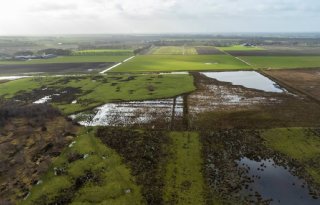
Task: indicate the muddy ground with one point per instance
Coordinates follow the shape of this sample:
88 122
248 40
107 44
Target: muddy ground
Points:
306 81
54 68
62 95
222 149
31 136
218 104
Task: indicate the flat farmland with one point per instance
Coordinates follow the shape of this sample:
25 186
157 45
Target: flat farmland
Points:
6 69
169 63
278 51
174 50
71 59
277 62
241 48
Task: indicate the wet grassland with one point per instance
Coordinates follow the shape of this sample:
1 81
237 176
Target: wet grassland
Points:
76 93
212 141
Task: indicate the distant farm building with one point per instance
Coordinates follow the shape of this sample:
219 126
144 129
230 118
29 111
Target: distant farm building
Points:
30 57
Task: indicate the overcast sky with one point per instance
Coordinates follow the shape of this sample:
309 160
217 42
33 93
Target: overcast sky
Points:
157 16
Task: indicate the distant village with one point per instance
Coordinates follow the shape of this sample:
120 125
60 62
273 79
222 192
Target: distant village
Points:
30 57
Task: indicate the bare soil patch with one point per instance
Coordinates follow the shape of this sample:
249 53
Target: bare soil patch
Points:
30 138
278 52
208 50
54 68
306 81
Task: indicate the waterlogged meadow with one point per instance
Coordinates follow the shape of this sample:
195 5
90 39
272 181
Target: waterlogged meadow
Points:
175 124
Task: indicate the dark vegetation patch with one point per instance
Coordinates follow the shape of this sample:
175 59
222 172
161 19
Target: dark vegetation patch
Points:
276 53
30 137
57 95
230 182
145 152
37 113
53 68
208 50
67 195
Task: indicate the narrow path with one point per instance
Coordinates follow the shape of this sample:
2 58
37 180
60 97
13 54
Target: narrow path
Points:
112 67
246 62
240 59
184 182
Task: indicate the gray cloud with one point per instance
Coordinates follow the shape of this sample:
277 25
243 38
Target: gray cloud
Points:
153 16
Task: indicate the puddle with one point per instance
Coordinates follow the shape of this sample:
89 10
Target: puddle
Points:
248 79
43 100
126 113
275 183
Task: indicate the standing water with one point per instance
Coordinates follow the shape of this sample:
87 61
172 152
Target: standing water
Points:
276 183
249 79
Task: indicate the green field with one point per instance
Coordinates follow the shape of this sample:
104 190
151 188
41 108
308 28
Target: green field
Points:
283 61
184 183
72 59
174 50
167 63
240 48
108 180
103 52
299 144
97 90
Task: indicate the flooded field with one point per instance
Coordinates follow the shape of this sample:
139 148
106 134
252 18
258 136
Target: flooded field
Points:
275 183
226 114
134 112
214 95
12 77
246 94
239 167
248 79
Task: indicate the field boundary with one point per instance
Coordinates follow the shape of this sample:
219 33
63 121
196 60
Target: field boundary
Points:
116 65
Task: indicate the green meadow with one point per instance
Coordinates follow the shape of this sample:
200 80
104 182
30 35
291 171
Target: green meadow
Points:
184 182
97 90
168 63
72 59
87 160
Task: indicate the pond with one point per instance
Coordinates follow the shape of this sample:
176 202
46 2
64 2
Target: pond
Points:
276 183
248 79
